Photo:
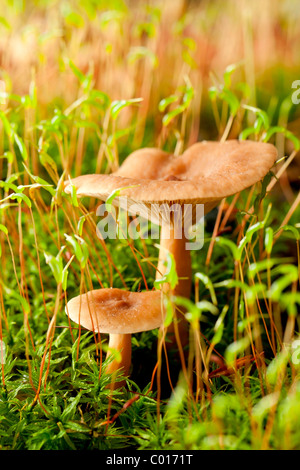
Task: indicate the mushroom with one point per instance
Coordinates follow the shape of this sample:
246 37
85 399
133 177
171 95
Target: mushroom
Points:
204 174
118 313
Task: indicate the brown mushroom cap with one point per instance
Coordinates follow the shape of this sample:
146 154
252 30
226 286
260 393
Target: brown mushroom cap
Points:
206 172
115 311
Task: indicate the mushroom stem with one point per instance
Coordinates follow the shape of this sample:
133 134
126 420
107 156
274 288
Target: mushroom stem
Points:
173 240
122 344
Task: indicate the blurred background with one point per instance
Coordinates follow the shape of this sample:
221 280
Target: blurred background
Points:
145 49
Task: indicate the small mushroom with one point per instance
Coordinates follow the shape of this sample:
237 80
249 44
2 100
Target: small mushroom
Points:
118 313
204 174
